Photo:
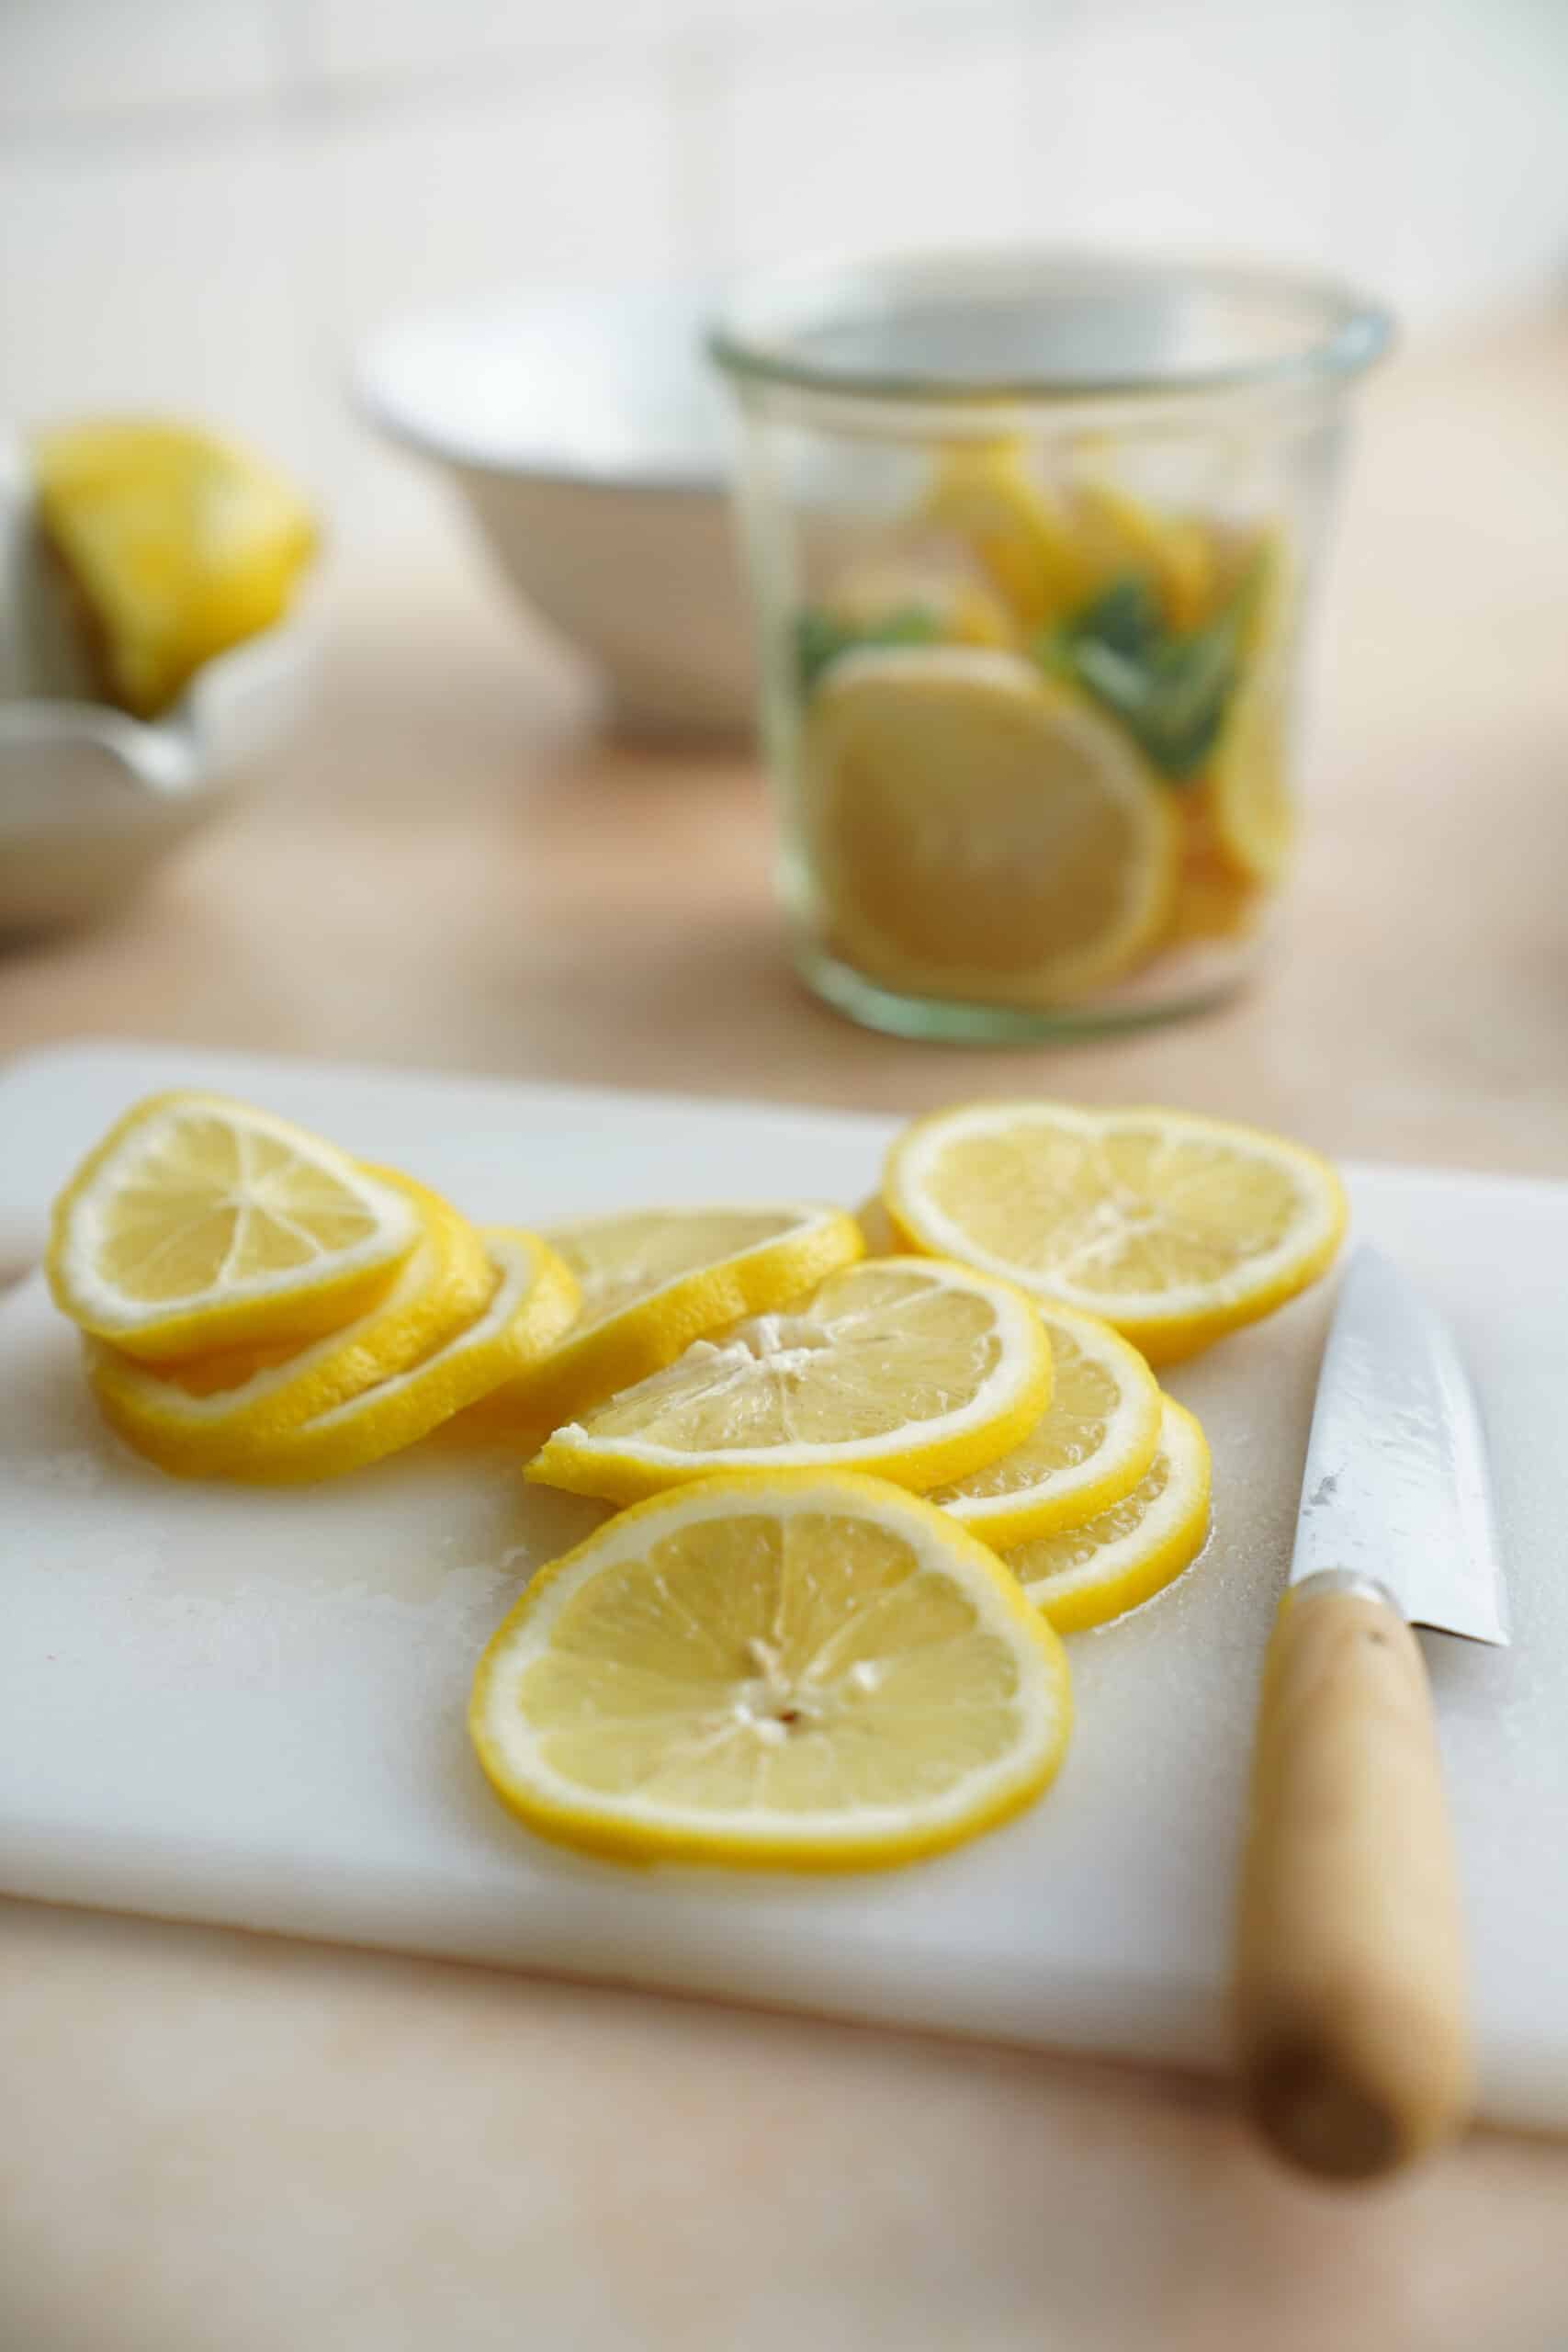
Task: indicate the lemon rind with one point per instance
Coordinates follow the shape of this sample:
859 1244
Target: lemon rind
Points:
532 1297
1166 1542
1068 1497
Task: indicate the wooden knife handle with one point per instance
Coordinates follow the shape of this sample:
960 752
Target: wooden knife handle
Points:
1351 2005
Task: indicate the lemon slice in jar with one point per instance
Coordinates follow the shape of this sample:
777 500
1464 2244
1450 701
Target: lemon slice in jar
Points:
1039 560
1245 792
977 830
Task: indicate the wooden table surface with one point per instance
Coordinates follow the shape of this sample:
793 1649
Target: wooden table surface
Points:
220 2144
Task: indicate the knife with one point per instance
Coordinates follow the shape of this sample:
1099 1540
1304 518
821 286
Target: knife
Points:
1349 1994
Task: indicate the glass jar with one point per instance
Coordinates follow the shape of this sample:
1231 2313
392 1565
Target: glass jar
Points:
1031 539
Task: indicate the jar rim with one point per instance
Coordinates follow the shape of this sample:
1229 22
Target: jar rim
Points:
813 327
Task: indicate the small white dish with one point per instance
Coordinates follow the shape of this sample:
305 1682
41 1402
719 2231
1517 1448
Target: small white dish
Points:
588 442
91 798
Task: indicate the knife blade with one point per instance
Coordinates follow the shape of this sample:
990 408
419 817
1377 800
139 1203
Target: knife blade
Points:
1397 1485
1349 1991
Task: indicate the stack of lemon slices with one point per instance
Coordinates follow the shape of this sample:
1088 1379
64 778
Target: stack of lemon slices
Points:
867 1494
256 1305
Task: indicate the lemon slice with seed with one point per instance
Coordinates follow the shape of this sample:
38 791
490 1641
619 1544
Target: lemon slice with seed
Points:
913 1369
1092 1443
207 1417
200 1224
975 828
653 1280
1173 1227
790 1670
1084 1575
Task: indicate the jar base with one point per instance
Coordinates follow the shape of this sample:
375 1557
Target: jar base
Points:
947 1021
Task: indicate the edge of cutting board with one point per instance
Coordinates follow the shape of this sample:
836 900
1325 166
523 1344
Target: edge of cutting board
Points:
179 1065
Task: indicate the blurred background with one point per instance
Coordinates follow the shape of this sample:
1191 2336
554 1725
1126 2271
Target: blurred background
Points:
211 207
208 203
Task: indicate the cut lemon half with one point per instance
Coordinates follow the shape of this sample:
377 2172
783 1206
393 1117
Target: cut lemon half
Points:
653 1280
913 1369
1089 1447
204 1419
783 1670
200 1224
180 544
1173 1227
1083 1575
531 1299
977 828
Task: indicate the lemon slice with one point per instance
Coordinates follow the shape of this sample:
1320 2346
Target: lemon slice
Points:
1213 900
869 596
534 1300
1174 549
790 1670
200 1420
1173 1227
1092 1443
653 1280
1248 790
530 1298
1020 534
180 544
915 1370
1082 1575
976 829
201 1224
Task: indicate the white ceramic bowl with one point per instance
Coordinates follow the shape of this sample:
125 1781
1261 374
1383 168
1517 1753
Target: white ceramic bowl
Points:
90 798
587 439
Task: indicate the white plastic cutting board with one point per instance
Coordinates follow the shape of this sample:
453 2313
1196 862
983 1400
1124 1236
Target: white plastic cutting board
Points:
248 1707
